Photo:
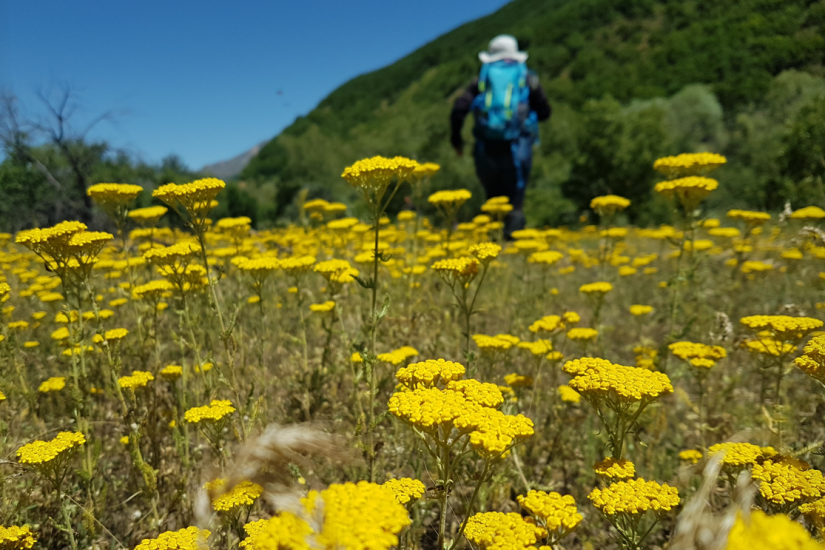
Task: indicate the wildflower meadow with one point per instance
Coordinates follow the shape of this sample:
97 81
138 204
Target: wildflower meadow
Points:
399 381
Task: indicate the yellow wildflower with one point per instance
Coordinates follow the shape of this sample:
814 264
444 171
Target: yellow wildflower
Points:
42 452
405 489
16 538
215 411
611 468
635 497
190 538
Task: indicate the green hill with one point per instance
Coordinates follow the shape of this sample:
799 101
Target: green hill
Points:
629 80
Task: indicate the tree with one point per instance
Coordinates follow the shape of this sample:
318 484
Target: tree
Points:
802 158
65 158
617 152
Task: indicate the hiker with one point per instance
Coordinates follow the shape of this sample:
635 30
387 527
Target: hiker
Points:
508 103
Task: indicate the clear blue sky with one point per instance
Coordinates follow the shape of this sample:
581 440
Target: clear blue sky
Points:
202 79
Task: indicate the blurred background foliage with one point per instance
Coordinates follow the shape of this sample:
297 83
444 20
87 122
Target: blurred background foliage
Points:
629 81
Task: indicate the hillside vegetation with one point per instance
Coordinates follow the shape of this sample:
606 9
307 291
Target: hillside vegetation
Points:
629 81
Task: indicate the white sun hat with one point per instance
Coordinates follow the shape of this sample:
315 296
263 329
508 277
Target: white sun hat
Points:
501 47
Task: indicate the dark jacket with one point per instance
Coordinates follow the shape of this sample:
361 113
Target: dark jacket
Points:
463 103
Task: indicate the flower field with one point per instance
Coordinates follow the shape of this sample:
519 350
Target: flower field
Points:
405 382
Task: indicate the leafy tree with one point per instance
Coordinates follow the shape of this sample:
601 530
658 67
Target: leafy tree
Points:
234 201
802 160
618 152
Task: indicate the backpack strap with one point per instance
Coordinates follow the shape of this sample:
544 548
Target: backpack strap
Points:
482 78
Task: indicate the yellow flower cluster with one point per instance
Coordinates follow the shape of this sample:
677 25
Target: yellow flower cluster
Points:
149 215
216 410
748 216
568 394
775 532
782 482
698 355
111 195
195 197
171 255
555 512
481 393
171 372
808 213
55 383
426 169
67 247
635 496
398 356
498 206
639 310
582 334
282 532
814 512
237 225
362 516
518 381
346 223
16 538
767 345
726 232
548 323
372 176
115 334
450 199
596 288
336 271
153 290
138 379
690 190
691 455
812 362
326 307
539 347
430 373
611 468
491 343
405 489
755 266
597 378
737 455
467 406
242 494
784 328
315 205
485 252
607 205
457 270
545 257
190 538
499 531
41 452
688 164
297 265
50 240
5 291
259 268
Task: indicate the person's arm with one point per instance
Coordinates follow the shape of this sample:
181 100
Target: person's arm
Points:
461 108
538 99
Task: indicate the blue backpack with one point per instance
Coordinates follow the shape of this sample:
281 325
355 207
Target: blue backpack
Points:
502 106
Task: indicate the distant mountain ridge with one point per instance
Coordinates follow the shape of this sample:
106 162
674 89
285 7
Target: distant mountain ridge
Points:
230 168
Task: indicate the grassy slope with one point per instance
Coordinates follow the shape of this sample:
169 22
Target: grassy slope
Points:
581 49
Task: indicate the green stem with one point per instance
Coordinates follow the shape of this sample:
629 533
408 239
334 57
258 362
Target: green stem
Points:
470 504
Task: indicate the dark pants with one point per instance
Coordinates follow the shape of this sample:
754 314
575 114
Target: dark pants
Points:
499 175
